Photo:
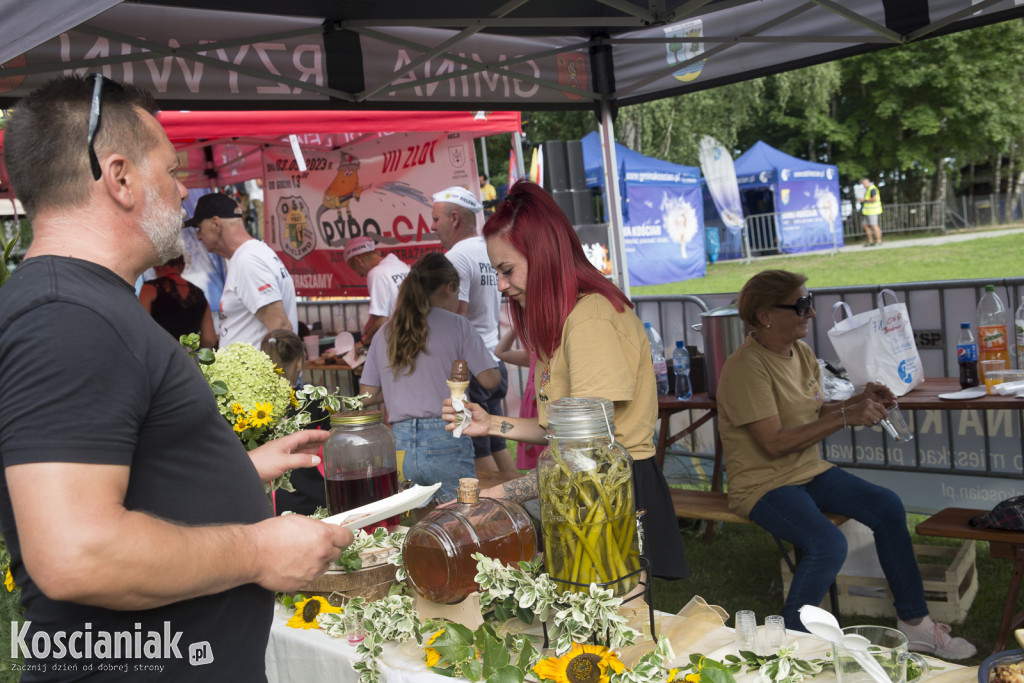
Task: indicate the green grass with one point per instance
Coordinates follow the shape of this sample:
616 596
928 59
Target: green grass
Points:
739 569
985 257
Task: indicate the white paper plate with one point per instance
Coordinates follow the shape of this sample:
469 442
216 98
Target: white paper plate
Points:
964 394
382 509
343 343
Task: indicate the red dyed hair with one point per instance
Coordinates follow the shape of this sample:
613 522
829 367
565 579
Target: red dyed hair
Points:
558 271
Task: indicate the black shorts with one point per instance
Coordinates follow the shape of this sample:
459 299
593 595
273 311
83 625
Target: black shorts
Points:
491 402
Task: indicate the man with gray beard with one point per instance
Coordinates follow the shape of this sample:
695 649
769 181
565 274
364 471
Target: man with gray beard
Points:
259 294
132 513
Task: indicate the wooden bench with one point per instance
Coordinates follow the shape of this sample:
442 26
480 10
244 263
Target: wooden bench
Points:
1003 544
713 506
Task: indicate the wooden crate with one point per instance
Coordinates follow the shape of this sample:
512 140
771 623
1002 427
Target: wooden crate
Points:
950 585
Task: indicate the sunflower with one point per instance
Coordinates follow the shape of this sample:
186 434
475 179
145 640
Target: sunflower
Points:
433 656
294 400
241 424
237 408
308 610
582 664
695 676
261 414
672 673
9 581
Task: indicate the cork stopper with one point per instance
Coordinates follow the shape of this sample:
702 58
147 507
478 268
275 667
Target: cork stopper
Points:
468 491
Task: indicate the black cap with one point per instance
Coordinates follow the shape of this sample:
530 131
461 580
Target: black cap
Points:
214 204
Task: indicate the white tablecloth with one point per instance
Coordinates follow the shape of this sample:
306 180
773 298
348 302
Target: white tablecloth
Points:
311 656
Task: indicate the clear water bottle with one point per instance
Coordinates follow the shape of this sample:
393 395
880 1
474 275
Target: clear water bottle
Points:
681 369
658 357
992 343
1018 323
967 357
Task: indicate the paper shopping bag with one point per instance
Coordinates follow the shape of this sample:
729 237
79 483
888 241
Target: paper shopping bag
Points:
878 345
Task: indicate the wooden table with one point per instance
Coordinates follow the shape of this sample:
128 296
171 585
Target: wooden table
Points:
1003 544
669 406
925 396
334 376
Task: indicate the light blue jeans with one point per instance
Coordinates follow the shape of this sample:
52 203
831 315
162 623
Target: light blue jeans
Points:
794 514
433 455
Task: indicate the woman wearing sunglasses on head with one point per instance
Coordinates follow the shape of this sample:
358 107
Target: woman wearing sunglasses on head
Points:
772 417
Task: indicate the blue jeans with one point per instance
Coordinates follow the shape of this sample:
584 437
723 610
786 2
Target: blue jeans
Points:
490 400
794 513
433 455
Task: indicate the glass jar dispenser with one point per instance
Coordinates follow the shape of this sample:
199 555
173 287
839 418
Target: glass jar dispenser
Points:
360 466
588 518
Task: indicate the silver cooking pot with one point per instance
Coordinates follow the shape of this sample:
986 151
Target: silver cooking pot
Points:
723 332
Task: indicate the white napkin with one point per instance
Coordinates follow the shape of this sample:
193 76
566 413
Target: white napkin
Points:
461 420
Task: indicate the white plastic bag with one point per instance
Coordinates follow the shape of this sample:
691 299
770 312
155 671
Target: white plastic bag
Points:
878 345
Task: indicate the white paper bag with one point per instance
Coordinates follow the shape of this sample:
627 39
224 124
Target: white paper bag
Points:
878 345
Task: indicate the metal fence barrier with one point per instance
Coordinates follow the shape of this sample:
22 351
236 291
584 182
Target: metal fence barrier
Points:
966 458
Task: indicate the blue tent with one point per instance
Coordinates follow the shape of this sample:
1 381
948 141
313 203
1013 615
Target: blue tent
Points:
805 194
662 214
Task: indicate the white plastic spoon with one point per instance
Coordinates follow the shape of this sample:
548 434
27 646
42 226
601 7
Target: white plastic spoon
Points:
824 625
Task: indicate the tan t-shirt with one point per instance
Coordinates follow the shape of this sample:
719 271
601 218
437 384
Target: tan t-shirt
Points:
604 353
756 384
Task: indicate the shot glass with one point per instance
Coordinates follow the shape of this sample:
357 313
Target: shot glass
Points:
774 634
896 425
746 630
353 622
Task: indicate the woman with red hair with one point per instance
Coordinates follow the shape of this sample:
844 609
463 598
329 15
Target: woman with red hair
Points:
588 343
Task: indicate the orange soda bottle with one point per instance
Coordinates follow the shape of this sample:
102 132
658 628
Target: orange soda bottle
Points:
992 339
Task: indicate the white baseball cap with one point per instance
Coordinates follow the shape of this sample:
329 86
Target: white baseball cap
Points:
359 245
460 196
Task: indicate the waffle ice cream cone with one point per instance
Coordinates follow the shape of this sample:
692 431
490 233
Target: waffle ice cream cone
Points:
457 389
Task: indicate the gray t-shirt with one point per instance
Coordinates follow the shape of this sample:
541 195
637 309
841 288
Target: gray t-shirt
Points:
450 337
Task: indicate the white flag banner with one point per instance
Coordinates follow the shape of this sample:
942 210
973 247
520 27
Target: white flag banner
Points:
718 171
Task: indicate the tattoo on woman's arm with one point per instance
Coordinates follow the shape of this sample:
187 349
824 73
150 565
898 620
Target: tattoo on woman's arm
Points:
522 489
506 427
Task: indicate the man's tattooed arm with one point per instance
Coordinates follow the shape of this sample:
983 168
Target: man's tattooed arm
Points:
522 489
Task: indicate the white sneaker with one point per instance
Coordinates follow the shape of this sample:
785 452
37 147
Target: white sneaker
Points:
933 638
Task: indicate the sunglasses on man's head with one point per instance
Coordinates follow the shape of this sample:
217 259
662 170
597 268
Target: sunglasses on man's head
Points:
802 305
94 120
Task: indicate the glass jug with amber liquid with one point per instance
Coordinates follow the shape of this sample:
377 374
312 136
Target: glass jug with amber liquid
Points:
438 549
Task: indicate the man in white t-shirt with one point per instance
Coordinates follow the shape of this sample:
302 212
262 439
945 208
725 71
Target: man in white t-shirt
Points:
454 217
384 275
259 294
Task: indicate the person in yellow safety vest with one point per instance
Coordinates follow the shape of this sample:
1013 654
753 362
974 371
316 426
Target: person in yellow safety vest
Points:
488 195
871 209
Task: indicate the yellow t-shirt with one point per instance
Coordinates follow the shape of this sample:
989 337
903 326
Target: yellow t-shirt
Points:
604 353
756 384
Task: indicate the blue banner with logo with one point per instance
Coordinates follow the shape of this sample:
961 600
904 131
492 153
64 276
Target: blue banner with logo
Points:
809 217
664 233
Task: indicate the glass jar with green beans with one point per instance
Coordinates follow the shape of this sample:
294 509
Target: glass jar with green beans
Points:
586 499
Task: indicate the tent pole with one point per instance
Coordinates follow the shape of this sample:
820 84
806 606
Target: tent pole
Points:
517 142
483 156
613 201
